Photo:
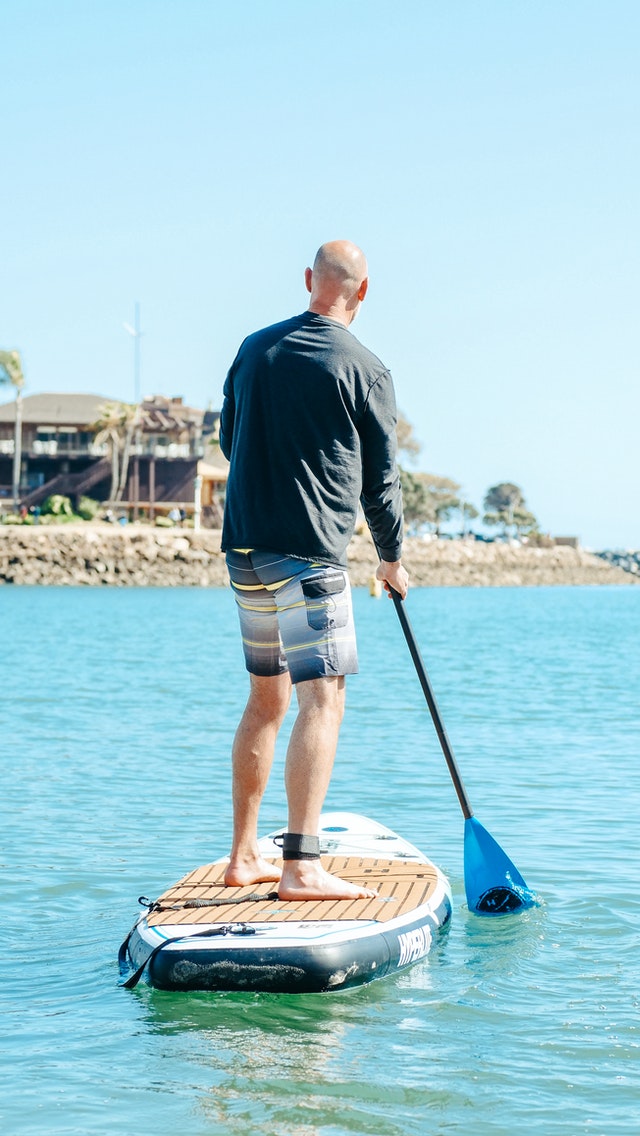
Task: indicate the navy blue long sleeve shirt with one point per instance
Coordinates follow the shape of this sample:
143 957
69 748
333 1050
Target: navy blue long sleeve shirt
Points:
308 425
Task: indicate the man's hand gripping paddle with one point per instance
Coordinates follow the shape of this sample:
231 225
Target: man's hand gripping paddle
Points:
492 883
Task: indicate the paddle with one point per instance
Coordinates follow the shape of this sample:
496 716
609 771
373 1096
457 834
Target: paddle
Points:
493 884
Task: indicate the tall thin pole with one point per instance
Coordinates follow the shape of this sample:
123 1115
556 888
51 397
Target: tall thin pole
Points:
136 356
136 334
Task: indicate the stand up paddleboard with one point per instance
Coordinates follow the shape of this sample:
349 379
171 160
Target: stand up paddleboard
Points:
201 935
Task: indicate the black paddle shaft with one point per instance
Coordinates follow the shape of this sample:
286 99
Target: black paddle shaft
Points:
432 704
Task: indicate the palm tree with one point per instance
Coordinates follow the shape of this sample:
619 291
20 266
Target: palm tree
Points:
116 426
130 421
11 372
108 429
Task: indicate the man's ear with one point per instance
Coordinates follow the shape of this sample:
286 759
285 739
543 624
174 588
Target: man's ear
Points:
308 275
362 290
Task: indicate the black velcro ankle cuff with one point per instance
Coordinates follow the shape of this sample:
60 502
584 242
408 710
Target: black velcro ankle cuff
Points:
296 846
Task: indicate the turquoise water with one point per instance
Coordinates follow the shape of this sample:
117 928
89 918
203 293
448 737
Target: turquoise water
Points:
117 709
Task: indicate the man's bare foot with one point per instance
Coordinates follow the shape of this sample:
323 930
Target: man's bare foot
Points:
252 870
307 879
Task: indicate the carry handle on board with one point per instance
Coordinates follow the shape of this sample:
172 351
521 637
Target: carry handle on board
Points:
493 884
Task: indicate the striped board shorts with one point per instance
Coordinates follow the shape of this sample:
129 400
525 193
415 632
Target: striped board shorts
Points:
295 615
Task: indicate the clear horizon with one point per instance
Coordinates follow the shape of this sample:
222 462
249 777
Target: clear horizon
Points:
192 157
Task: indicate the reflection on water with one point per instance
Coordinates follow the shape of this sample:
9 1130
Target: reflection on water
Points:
298 1064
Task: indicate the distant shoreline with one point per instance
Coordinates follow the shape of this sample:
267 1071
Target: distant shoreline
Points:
145 556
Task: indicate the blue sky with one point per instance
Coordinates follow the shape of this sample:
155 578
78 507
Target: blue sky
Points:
192 155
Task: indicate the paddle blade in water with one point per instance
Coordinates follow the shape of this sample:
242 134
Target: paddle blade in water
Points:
493 884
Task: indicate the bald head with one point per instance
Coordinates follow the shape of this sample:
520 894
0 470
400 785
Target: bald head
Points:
338 280
342 263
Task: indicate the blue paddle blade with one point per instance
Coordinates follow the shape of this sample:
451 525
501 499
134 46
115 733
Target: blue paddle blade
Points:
493 884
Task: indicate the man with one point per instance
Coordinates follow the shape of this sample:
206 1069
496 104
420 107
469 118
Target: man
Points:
308 425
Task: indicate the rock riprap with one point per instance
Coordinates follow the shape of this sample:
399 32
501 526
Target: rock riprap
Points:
145 556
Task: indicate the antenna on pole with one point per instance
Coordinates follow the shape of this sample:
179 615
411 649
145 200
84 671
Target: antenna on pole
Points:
136 334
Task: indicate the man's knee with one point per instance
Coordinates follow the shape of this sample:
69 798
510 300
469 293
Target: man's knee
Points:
324 694
269 697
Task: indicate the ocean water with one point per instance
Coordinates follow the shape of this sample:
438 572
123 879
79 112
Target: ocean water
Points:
117 711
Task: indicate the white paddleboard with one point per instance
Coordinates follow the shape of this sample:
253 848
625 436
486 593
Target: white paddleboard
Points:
201 935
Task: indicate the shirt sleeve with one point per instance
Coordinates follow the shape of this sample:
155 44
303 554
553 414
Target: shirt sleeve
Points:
381 496
227 416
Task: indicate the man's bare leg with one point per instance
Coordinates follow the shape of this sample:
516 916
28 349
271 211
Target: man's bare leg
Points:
310 757
252 756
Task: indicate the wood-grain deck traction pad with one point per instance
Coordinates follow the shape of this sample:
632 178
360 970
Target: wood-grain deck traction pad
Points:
401 885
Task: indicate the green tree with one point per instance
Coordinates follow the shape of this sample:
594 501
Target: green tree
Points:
115 426
505 505
468 512
524 522
429 499
408 445
444 494
417 503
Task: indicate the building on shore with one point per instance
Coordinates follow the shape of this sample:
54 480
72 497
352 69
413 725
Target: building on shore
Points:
142 460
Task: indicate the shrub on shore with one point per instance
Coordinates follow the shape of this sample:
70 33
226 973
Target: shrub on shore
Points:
55 510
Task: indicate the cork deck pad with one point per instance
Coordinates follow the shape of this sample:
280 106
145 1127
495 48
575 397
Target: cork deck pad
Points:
201 935
401 887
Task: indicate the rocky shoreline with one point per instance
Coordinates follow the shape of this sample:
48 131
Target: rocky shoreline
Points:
628 560
144 556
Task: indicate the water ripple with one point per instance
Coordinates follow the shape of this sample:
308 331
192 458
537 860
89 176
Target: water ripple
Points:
120 709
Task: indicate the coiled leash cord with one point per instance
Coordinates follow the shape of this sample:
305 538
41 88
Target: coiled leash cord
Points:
222 929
